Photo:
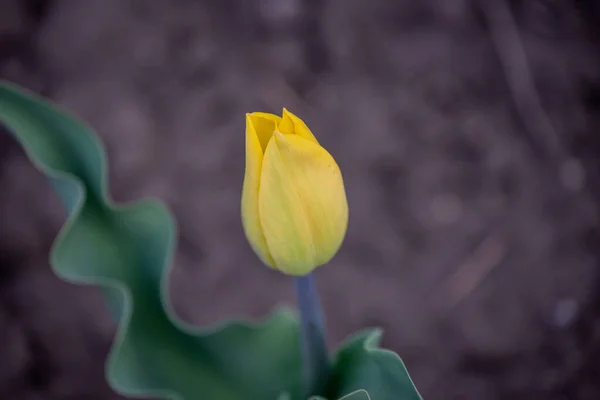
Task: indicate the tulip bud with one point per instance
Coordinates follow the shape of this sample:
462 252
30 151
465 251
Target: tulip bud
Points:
294 208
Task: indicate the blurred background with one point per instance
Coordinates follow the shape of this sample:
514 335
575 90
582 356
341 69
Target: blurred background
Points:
466 130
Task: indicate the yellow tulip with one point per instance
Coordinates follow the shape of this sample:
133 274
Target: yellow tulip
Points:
294 208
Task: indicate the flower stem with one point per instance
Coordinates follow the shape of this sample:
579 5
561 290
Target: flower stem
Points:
314 346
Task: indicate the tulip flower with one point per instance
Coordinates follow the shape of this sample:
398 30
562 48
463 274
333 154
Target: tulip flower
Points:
294 208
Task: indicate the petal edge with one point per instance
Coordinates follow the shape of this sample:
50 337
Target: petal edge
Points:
291 124
250 190
264 124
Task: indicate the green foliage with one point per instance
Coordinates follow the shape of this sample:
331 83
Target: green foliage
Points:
357 395
360 364
126 251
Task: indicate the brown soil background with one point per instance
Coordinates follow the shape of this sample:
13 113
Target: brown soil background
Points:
473 238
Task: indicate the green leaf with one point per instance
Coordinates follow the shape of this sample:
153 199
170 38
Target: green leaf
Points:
357 395
126 250
361 365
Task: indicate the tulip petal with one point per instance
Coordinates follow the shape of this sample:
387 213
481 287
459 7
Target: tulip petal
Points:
250 217
264 125
292 125
302 204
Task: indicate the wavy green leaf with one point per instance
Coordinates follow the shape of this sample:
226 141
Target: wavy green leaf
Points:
360 365
126 250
